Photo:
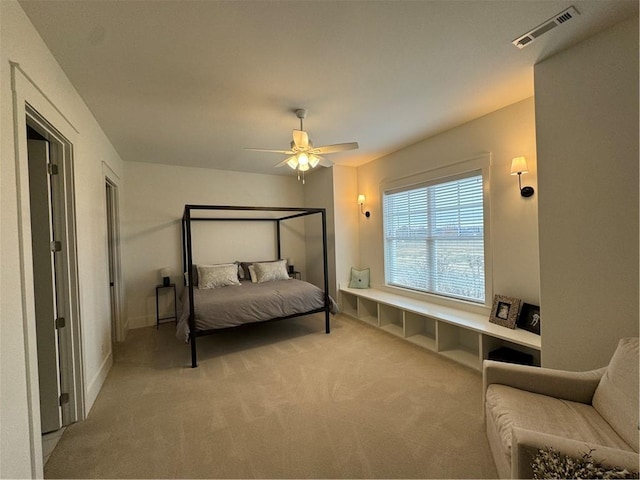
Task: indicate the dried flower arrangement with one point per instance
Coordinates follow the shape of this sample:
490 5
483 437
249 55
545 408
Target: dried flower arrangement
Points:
549 463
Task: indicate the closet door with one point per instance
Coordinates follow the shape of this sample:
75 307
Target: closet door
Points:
44 268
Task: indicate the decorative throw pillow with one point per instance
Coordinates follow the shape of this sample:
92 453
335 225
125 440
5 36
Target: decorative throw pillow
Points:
252 273
215 276
271 271
359 278
245 266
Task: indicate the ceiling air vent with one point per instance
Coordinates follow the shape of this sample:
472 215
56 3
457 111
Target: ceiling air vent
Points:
559 19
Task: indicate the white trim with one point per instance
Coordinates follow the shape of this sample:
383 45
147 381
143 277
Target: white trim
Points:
94 386
15 66
26 278
25 91
122 325
141 321
480 162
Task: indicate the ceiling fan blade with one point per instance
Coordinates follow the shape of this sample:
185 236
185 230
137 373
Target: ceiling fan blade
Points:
284 162
338 147
285 152
300 138
325 162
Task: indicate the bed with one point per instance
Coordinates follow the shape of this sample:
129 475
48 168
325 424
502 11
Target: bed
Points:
209 308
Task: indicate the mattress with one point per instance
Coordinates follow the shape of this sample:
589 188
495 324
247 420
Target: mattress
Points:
248 302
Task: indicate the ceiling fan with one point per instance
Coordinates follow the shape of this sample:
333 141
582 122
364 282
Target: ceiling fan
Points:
303 155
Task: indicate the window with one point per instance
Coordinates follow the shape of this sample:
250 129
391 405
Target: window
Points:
434 237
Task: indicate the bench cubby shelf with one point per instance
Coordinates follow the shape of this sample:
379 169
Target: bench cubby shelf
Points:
462 336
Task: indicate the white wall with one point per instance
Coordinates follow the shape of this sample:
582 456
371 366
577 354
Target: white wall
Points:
506 133
153 208
318 193
20 451
334 189
347 218
587 124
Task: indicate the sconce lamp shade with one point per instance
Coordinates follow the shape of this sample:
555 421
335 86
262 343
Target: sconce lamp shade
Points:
361 199
165 273
519 165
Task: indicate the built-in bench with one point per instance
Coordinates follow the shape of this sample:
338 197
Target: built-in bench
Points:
462 336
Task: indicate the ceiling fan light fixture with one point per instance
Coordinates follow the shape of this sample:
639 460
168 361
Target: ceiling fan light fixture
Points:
303 159
303 155
292 162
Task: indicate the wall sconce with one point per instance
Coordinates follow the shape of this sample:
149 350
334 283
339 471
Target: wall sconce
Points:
361 199
518 167
165 273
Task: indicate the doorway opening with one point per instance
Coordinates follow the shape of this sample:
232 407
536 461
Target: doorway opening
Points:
55 277
113 259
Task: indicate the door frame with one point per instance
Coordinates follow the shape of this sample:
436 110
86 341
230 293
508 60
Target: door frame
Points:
31 104
112 180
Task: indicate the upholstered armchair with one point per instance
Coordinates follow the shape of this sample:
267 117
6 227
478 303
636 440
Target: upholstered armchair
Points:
529 408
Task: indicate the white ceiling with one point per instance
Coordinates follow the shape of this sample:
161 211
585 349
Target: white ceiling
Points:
195 82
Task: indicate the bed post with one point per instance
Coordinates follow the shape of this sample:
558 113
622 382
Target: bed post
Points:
278 235
184 250
327 326
189 258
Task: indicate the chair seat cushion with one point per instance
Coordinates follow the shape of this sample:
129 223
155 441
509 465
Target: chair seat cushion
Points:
510 407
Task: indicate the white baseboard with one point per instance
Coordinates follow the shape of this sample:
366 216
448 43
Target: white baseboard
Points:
96 382
141 322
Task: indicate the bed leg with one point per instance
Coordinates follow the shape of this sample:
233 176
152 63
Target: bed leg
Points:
194 360
327 324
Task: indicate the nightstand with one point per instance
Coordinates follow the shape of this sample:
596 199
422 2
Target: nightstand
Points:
295 274
159 319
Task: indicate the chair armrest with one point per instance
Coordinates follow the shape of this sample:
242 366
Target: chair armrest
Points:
526 444
573 386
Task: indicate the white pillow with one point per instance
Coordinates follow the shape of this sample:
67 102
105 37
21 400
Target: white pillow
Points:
252 272
215 276
269 272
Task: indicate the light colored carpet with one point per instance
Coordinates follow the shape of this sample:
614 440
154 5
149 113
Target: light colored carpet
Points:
280 400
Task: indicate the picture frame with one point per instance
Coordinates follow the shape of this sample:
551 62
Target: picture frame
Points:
505 311
529 318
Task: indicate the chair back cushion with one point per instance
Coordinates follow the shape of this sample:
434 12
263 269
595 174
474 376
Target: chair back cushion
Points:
616 397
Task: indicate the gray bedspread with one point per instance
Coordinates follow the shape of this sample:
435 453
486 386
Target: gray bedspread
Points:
248 303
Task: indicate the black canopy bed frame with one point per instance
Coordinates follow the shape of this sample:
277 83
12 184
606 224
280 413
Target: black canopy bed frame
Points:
251 214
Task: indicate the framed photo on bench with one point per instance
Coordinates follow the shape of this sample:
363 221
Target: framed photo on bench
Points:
505 311
529 318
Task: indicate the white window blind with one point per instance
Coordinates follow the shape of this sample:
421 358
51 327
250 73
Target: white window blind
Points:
434 238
